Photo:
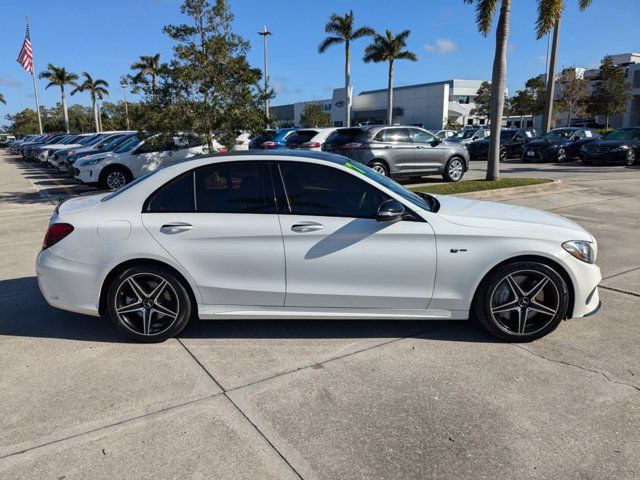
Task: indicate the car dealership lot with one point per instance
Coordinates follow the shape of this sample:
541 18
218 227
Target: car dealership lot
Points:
290 399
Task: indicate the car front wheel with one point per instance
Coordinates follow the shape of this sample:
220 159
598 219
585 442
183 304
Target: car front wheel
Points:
522 301
561 155
114 178
148 303
453 170
630 158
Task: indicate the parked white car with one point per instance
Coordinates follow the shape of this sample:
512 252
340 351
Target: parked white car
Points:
92 144
78 141
308 138
134 158
300 235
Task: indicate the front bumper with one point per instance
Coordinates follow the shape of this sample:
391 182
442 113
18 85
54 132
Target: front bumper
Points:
539 153
585 278
607 157
86 175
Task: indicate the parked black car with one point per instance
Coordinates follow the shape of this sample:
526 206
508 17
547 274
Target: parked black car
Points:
620 146
559 144
512 141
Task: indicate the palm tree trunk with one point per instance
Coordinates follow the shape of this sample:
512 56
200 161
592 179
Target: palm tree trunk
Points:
547 118
390 95
95 114
497 90
64 110
347 83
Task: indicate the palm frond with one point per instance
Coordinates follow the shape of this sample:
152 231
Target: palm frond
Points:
584 4
549 11
328 42
407 55
485 9
364 31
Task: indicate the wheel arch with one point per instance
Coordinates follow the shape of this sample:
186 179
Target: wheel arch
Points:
381 160
558 267
104 288
112 166
461 157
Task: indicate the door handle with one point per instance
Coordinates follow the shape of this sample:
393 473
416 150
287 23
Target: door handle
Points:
307 227
420 147
176 227
388 146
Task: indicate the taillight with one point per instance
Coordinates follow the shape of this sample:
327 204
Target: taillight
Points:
239 142
310 145
355 145
56 232
269 144
223 150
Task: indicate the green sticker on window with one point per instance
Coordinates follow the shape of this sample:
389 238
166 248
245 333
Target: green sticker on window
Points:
353 167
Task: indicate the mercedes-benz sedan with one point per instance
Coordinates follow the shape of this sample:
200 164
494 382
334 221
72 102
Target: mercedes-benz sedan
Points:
300 235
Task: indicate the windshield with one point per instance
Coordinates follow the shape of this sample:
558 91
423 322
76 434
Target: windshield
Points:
93 139
463 134
624 134
342 137
114 143
507 134
300 137
128 145
558 134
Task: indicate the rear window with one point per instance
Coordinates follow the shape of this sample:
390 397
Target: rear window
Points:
264 137
342 136
301 136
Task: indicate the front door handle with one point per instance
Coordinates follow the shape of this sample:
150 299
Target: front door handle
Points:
388 146
307 227
176 227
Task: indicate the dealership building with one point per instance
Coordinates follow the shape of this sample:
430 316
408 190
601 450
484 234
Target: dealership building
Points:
426 104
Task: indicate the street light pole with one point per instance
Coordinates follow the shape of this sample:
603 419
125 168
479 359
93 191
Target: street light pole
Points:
264 34
123 84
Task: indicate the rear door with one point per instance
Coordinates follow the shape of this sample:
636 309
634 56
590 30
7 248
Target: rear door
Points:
429 153
219 222
395 146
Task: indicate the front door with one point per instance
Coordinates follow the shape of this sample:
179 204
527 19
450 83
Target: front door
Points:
219 222
338 254
429 155
395 146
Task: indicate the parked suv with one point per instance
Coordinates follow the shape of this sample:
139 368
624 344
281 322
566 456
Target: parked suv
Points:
396 151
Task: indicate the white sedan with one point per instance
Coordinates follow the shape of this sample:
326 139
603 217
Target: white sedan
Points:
298 235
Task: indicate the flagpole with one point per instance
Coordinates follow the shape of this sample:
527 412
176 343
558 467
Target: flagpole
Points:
35 87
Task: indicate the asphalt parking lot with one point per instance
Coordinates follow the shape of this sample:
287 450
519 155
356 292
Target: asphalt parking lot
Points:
325 400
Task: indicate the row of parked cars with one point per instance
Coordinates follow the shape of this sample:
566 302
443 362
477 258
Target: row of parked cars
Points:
113 159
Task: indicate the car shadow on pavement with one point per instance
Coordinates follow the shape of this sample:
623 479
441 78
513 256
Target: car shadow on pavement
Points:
26 314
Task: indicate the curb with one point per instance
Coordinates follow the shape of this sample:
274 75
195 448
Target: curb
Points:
510 192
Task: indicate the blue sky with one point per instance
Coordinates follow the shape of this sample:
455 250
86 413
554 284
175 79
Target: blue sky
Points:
104 38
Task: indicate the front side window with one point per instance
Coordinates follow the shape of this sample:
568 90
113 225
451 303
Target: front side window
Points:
421 136
312 189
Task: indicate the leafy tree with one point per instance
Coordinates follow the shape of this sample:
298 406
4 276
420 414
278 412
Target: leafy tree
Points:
23 123
60 77
451 124
314 116
389 48
611 91
343 30
2 100
81 118
97 90
573 93
208 86
147 66
482 100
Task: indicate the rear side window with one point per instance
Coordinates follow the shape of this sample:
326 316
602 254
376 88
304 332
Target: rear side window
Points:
312 189
175 196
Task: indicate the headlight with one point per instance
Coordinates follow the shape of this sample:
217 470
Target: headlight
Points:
580 249
70 152
621 148
92 162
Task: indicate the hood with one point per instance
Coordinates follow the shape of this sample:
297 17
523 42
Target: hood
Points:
107 155
504 216
59 146
545 143
615 143
80 204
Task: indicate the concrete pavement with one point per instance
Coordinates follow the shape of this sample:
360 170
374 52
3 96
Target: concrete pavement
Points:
323 400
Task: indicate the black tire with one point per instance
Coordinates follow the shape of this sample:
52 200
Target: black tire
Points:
561 155
630 158
168 312
379 167
453 170
109 175
496 294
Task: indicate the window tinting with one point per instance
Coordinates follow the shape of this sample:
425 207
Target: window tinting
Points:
242 187
393 135
175 196
342 136
420 136
318 190
300 137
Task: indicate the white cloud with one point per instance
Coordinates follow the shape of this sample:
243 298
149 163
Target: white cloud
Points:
9 81
280 85
441 46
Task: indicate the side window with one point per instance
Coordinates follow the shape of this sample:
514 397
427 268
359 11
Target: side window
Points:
394 135
313 189
156 144
420 136
175 196
517 138
578 135
234 187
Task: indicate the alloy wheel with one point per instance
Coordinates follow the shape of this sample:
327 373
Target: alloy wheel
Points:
116 180
524 302
503 153
630 159
147 304
562 155
456 169
378 168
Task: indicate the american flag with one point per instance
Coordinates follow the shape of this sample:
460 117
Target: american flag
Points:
26 54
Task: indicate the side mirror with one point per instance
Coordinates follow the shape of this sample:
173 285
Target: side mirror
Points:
390 211
436 141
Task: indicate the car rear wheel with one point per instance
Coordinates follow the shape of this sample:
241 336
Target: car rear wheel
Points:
503 153
561 155
113 178
630 158
148 303
379 167
453 170
522 301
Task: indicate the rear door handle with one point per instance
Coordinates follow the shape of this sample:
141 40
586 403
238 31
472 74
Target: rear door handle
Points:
176 227
307 227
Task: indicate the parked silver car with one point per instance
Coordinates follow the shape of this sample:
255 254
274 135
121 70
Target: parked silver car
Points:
398 151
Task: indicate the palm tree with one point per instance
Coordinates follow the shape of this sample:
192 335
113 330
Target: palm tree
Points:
148 65
389 48
549 12
344 31
2 100
97 89
59 77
